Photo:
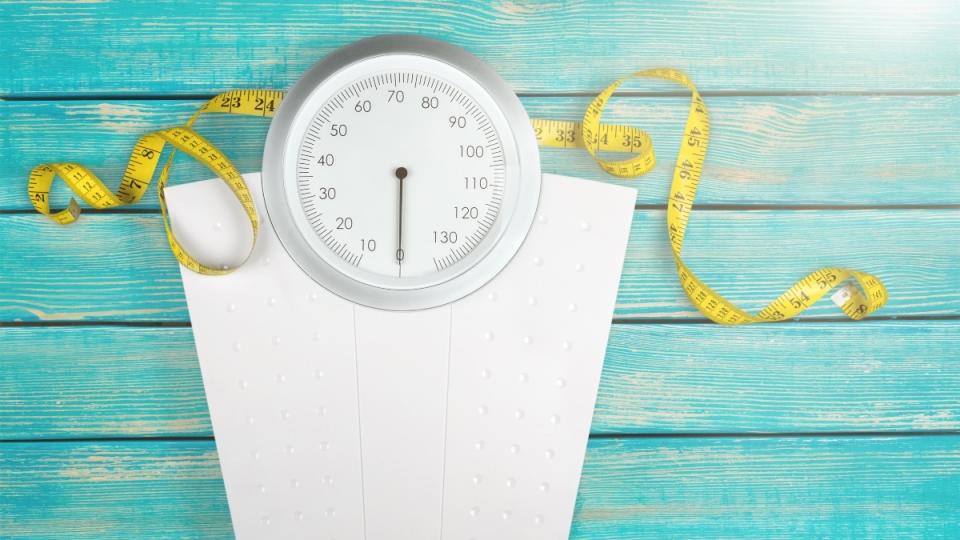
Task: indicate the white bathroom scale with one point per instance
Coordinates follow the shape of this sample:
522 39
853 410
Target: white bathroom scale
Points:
413 349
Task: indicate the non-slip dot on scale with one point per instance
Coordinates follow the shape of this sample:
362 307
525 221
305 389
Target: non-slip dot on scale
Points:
300 376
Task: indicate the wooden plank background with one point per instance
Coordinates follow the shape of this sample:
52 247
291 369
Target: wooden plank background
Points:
778 150
658 379
150 47
834 142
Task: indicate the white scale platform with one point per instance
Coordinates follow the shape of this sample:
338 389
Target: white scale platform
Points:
465 421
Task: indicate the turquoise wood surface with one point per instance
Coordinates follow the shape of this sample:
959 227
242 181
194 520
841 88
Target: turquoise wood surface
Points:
834 141
203 47
765 150
751 256
639 488
658 378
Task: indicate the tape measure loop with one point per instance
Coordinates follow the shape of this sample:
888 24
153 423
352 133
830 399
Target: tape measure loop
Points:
870 294
142 166
596 138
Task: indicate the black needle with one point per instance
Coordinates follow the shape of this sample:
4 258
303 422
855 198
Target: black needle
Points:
401 173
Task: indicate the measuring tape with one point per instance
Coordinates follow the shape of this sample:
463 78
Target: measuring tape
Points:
143 164
590 134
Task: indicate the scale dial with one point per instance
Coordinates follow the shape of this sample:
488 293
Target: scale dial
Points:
401 173
425 194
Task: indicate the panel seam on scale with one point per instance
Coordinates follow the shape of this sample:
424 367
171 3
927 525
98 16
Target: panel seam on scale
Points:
446 419
356 371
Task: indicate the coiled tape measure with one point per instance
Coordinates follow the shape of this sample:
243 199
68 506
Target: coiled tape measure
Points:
857 302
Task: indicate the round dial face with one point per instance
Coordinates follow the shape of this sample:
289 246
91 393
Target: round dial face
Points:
425 190
401 173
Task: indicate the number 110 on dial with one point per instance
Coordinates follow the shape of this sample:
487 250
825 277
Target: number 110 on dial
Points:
401 174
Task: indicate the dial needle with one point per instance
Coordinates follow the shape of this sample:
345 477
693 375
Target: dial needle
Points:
401 173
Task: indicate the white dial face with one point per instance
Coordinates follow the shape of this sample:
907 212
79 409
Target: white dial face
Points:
400 173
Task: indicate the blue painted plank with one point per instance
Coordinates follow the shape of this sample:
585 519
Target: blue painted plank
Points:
752 257
106 267
100 381
157 47
806 377
112 490
118 267
778 488
86 382
816 487
807 150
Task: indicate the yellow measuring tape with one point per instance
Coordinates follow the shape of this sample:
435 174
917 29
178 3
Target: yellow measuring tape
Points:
590 133
143 164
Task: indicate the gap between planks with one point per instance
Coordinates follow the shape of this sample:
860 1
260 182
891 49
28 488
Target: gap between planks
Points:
616 320
597 436
707 207
625 93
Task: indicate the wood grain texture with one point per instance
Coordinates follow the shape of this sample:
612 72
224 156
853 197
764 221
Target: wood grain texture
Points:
822 487
814 103
118 266
87 382
160 47
832 150
890 376
808 487
810 377
112 490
